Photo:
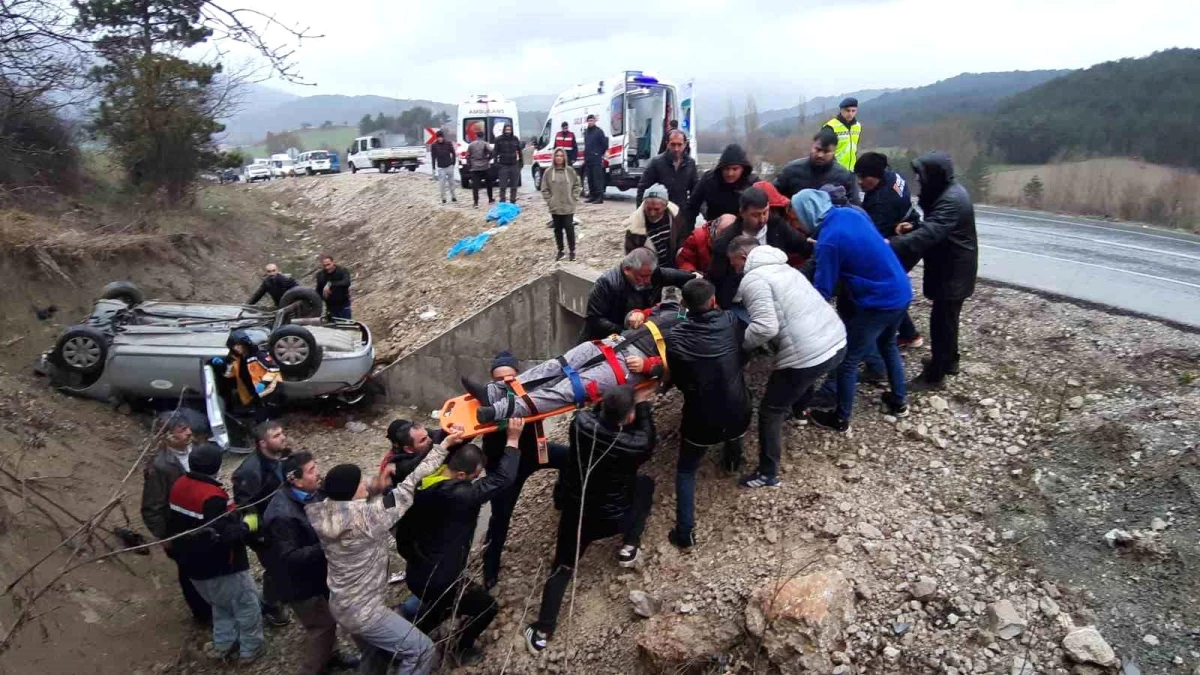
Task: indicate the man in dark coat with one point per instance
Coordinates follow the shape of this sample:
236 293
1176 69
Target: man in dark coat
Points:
819 168
705 356
439 528
947 242
297 562
754 217
254 481
507 151
721 187
674 169
333 284
622 297
595 147
608 445
411 442
274 284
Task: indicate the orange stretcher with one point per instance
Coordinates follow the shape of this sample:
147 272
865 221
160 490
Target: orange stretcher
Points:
461 410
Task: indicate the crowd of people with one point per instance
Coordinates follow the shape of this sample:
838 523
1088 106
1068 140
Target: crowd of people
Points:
808 271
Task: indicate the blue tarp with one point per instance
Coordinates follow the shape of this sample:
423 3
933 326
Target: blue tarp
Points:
504 213
469 244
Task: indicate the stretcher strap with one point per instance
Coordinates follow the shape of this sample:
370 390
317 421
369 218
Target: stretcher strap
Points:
539 432
611 357
576 382
660 344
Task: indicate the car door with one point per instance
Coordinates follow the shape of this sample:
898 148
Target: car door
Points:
214 406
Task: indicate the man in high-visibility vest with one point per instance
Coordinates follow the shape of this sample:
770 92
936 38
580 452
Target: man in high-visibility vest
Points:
848 129
565 139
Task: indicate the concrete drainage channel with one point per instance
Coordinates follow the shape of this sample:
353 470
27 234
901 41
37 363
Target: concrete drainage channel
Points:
536 321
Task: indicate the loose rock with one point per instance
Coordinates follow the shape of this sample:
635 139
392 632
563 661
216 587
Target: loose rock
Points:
1004 621
674 641
644 604
1084 645
801 621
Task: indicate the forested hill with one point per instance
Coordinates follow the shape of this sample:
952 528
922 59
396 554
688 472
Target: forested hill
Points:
1147 108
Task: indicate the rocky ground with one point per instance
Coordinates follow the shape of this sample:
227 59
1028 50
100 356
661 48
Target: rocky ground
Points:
1037 516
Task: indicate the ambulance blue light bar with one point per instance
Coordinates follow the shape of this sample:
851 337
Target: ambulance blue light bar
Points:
637 77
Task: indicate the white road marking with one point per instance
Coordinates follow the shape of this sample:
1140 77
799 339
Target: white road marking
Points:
1178 240
1086 264
1105 242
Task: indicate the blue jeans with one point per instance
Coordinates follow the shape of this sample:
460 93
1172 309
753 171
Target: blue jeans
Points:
869 330
237 616
690 457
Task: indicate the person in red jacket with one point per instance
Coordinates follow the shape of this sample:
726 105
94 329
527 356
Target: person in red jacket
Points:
696 253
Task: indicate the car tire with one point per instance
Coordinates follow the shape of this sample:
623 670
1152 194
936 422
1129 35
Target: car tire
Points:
382 167
412 168
296 352
81 349
124 291
312 305
353 169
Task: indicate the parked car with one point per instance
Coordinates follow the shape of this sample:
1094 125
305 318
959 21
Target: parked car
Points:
259 170
134 350
282 166
315 161
384 152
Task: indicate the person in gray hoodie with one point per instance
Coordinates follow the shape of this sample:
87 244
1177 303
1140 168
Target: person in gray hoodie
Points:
356 533
807 336
479 163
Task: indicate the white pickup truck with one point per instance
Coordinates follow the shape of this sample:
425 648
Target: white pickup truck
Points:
384 152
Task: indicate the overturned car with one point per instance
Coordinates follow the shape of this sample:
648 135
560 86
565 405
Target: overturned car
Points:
132 349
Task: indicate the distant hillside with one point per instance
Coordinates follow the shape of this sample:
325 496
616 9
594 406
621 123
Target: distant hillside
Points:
252 125
1146 108
812 108
965 94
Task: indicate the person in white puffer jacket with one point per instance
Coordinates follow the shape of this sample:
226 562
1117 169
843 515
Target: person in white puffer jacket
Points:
805 332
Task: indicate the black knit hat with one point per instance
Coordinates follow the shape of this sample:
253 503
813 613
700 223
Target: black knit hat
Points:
396 429
342 482
205 459
871 165
504 358
848 102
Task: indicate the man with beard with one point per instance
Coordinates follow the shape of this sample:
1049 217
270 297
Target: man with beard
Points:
507 151
947 242
720 190
674 169
254 482
819 168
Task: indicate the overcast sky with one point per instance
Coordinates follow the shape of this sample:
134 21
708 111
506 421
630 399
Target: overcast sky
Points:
446 50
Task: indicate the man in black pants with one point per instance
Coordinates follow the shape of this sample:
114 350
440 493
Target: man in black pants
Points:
505 365
595 147
947 242
608 444
705 356
255 480
507 151
439 528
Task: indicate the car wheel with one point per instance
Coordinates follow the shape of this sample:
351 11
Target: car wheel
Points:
382 167
412 168
296 351
311 304
82 349
124 291
353 169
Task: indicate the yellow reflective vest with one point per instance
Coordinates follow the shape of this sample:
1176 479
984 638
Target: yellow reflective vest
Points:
847 147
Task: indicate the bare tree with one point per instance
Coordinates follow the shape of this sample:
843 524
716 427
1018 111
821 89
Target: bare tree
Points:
731 121
801 114
750 123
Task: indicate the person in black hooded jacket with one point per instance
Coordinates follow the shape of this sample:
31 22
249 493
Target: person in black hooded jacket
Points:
705 356
720 187
608 444
439 529
818 169
947 242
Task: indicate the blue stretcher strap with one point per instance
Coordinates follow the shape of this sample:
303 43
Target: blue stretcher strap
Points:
576 384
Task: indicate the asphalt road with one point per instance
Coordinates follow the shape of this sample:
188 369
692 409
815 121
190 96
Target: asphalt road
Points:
1149 271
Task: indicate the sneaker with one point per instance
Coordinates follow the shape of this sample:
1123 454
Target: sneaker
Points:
454 199
571 257
247 659
535 640
628 555
396 578
276 617
216 653
828 419
800 419
927 365
911 343
924 383
477 390
681 540
475 205
757 480
485 414
893 405
443 202
559 256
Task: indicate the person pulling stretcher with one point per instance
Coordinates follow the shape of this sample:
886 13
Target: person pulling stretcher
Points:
584 373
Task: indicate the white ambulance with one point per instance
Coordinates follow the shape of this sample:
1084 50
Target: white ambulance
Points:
483 114
634 108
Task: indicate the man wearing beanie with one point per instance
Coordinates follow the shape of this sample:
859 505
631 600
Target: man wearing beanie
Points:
214 557
656 225
355 530
848 129
888 201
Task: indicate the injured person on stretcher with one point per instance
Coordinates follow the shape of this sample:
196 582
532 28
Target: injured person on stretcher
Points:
584 373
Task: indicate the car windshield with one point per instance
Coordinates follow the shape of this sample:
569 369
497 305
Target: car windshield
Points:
492 125
319 155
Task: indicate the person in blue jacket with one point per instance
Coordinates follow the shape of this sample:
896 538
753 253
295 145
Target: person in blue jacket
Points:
887 199
850 251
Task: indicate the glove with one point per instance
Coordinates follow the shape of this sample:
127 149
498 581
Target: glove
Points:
251 521
217 361
260 387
